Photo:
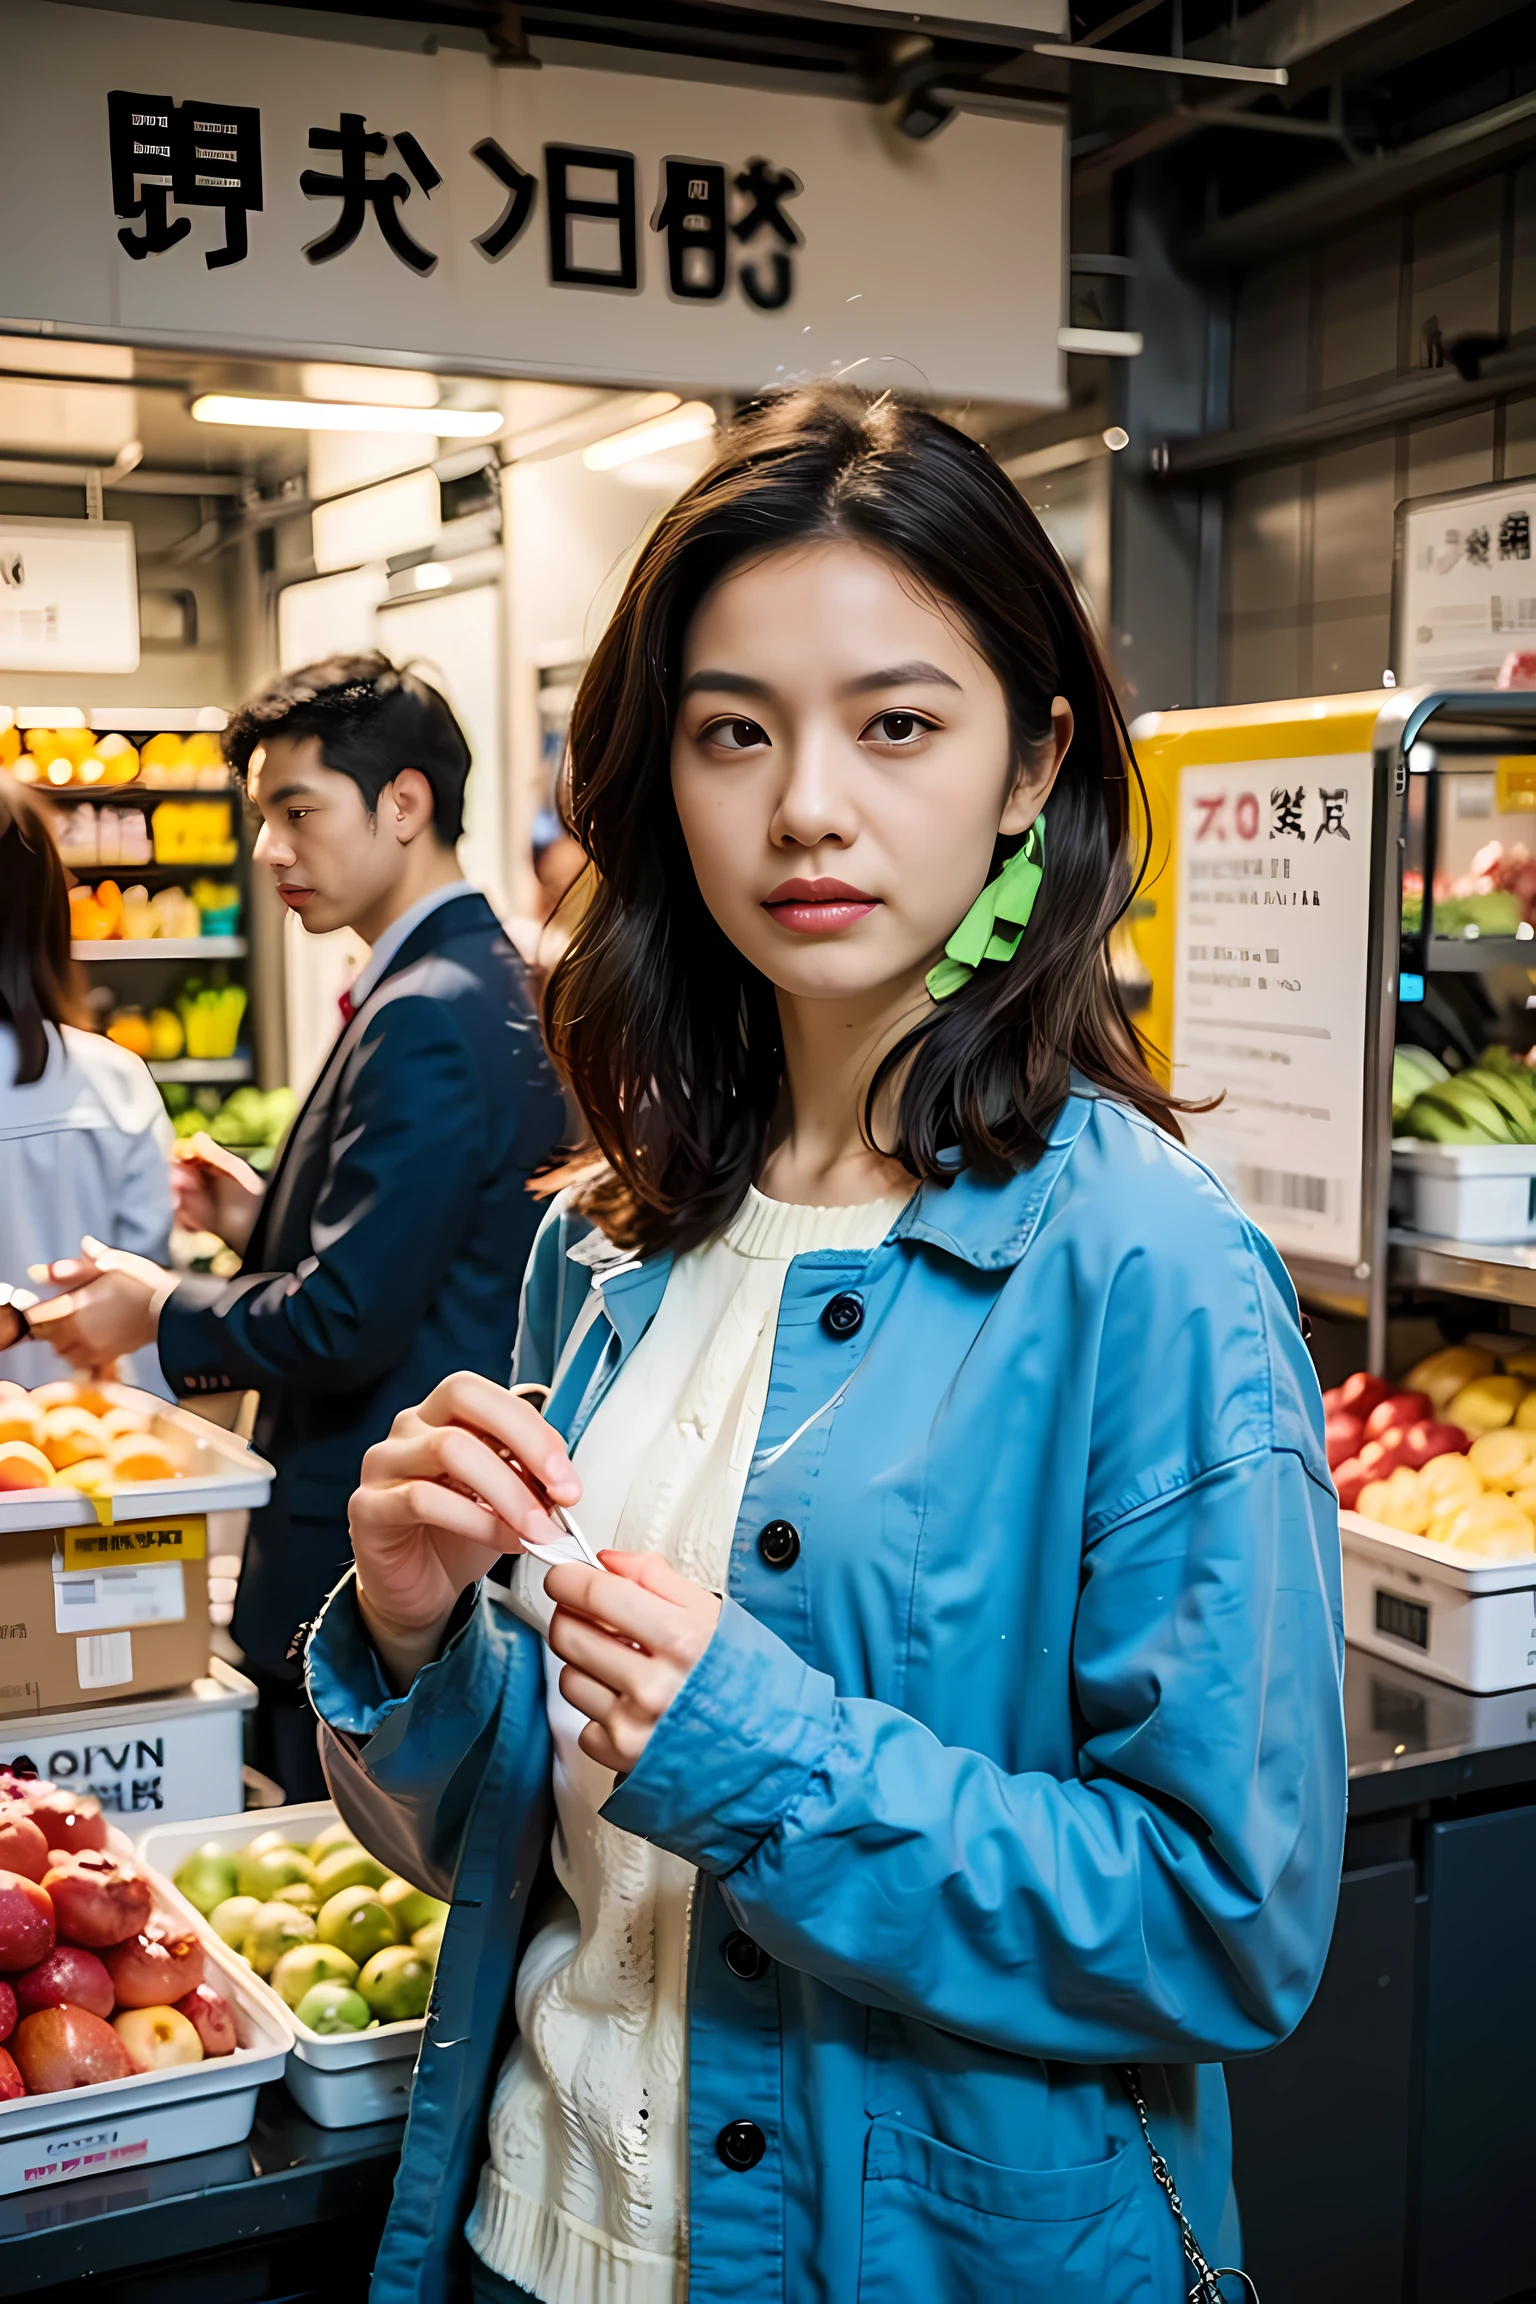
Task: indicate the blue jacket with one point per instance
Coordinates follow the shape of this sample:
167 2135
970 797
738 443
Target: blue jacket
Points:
387 1251
1029 1764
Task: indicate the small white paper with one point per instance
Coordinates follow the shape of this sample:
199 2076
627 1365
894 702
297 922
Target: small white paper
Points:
104 1659
105 1599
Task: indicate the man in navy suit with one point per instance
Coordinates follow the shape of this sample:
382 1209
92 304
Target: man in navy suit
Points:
388 1248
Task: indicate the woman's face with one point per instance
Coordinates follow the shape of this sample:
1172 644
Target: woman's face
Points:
842 766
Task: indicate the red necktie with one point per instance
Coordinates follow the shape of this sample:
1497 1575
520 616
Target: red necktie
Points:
347 1009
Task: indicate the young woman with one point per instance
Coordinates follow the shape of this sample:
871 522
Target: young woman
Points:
954 1718
84 1138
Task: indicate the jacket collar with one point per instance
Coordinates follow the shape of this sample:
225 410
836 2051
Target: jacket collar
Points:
460 913
991 1225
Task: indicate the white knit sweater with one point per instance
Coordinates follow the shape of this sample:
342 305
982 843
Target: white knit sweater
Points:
581 2198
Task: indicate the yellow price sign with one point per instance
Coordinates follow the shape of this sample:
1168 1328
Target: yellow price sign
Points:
136 1543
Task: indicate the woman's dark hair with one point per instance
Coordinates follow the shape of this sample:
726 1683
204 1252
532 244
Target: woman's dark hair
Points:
372 720
39 984
669 1038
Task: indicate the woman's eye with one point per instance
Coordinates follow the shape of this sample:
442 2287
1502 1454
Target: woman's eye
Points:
736 735
297 815
898 727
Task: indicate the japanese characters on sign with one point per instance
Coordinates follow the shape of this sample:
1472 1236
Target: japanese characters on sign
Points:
1466 596
1270 987
717 223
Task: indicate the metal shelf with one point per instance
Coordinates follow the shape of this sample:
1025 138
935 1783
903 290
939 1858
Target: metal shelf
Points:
160 948
130 872
137 791
1501 1272
206 1071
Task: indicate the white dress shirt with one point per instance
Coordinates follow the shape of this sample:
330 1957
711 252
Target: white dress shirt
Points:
396 933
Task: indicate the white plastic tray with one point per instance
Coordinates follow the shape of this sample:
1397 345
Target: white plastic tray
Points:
155 2115
171 1756
342 2080
1467 1622
1481 1193
221 1475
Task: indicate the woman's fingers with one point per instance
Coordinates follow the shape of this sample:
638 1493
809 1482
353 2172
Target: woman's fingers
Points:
617 1664
584 1694
620 1602
419 1453
508 1422
408 1504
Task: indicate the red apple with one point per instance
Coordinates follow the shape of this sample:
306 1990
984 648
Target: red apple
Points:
1403 1409
67 1821
22 1846
11 2081
1349 1478
7 2011
1424 1441
1381 1457
69 1978
26 1923
1361 1393
212 2019
155 1972
68 2048
1343 1434
158 2038
98 1901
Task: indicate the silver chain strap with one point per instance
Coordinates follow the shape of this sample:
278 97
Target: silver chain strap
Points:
1206 2287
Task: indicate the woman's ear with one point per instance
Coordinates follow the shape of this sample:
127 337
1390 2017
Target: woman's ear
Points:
1034 776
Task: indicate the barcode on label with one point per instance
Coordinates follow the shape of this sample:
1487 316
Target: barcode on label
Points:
1283 1188
104 1659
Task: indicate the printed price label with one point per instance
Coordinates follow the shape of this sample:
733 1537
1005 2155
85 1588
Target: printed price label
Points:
130 1543
109 1599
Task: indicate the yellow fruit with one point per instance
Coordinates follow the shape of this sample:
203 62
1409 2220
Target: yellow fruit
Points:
39 742
166 1036
1450 1479
1501 1459
1486 1403
162 752
1399 1502
1491 1528
130 1029
10 745
1525 1414
1522 1363
75 744
1443 1374
1524 1500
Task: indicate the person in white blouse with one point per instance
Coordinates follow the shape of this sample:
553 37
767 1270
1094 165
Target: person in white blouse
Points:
84 1137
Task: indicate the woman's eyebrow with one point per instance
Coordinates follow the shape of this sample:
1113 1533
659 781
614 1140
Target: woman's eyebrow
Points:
726 683
916 674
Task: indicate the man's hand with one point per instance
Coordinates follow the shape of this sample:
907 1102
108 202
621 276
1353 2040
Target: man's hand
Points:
441 1499
214 1191
113 1305
628 1641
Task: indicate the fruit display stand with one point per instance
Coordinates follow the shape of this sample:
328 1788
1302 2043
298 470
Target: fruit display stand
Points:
151 2116
341 2080
1467 1621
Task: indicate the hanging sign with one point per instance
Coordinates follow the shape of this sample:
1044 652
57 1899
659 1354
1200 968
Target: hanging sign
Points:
69 596
281 194
1465 587
1270 989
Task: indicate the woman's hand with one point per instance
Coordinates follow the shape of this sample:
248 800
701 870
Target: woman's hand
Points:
439 1503
214 1190
628 1641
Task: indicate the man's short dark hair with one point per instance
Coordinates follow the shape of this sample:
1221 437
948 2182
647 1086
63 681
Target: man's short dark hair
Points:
372 720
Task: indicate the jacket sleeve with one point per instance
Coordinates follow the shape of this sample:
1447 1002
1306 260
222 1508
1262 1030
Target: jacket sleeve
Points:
1172 1901
405 1770
408 1145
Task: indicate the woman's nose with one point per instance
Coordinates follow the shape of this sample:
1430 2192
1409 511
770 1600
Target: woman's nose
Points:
815 803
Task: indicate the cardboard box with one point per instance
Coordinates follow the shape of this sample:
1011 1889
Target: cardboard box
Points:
94 1615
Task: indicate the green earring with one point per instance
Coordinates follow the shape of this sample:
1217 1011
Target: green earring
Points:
998 918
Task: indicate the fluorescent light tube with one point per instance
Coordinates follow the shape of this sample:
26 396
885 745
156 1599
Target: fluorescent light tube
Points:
345 416
695 420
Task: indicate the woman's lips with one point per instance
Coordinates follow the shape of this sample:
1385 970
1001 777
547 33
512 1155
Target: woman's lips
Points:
818 907
295 898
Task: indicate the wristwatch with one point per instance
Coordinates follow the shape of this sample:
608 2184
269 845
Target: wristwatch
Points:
17 1302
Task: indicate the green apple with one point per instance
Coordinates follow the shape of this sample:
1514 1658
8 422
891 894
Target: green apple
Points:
233 1917
397 1983
269 1869
308 1964
333 2007
355 1920
348 1868
410 1908
300 1894
274 1930
430 1939
207 1877
265 1840
336 1835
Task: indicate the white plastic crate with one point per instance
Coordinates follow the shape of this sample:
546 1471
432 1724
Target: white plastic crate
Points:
169 1756
342 2080
1469 1622
48 2140
1481 1193
220 1474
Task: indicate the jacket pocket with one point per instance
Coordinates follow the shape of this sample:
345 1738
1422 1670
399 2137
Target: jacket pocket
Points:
943 2228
